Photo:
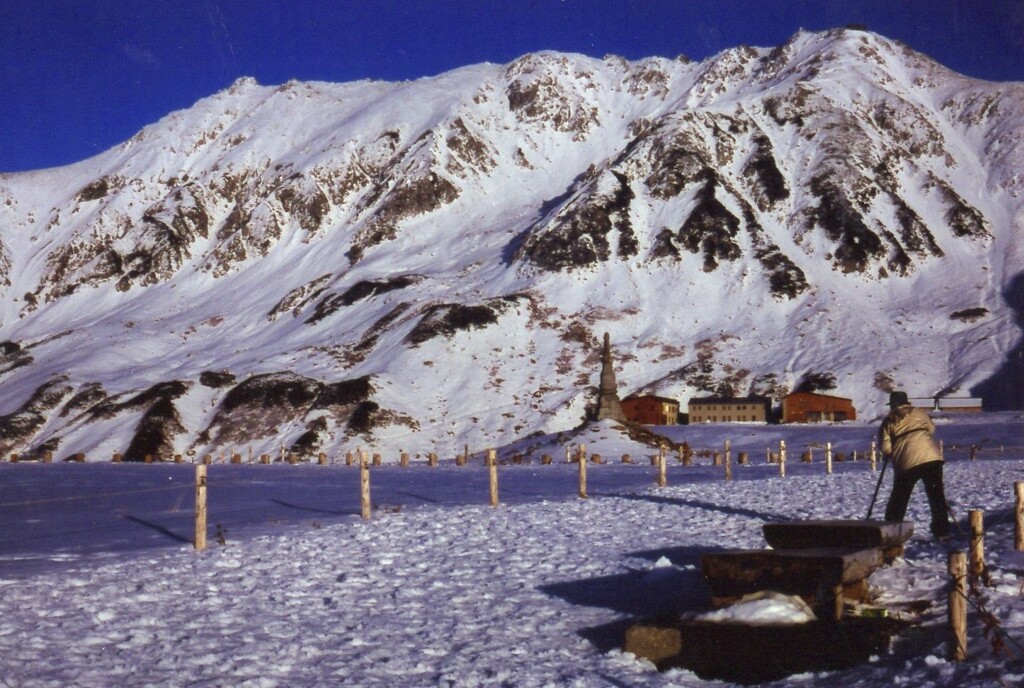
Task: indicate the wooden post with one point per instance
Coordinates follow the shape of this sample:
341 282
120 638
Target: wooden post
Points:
322 459
148 458
403 459
200 539
545 459
743 458
250 455
974 452
432 459
662 478
492 475
583 471
1018 530
48 457
768 454
117 458
958 607
874 457
364 485
782 458
349 458
377 459
264 458
208 459
178 458
828 458
568 454
626 458
976 518
236 458
728 461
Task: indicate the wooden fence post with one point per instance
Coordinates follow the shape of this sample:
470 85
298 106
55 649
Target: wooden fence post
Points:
828 458
782 458
349 458
874 457
662 478
1018 530
265 458
200 539
364 485
976 518
974 452
48 457
568 454
958 607
117 458
404 459
322 459
728 460
492 475
432 459
583 470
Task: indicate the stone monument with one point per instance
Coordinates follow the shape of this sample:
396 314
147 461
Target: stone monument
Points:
608 405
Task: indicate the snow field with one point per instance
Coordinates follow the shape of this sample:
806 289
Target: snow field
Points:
439 589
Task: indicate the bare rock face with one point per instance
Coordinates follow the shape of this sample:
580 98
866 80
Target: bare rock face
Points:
18 429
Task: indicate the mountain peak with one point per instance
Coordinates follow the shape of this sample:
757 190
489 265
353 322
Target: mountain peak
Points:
429 261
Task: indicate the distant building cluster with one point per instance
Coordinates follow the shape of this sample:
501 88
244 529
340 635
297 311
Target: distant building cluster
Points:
798 407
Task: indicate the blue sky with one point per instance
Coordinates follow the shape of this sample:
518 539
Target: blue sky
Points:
79 76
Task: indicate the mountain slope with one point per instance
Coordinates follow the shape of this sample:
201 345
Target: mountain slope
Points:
432 263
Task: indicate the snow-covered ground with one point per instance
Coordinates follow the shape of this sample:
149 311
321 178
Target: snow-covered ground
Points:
100 586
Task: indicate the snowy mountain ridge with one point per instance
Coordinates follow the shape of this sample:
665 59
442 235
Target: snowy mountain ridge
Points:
431 263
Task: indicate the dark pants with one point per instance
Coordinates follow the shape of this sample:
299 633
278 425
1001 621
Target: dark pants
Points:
931 475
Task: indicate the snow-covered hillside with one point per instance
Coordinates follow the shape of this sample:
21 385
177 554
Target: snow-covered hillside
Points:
431 264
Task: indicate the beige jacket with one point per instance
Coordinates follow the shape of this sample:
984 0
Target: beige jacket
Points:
906 437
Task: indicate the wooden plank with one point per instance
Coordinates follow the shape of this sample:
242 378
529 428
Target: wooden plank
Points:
749 654
854 535
804 572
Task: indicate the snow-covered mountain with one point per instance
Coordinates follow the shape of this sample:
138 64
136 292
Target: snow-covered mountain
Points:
429 264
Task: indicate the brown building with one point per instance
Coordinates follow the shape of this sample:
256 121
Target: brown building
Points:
808 407
722 410
649 409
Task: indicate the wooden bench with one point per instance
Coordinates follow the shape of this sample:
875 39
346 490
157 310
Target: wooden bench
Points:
889 536
823 562
823 577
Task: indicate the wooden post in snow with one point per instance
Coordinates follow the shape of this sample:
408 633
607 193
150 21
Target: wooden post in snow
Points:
662 478
349 458
492 475
432 459
364 485
974 452
828 458
976 518
403 459
874 457
264 458
1018 530
322 459
200 539
117 458
583 470
728 461
568 454
782 458
957 645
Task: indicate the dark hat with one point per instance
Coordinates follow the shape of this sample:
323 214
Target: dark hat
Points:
898 399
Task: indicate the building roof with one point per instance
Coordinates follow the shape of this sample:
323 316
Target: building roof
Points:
816 394
669 400
729 400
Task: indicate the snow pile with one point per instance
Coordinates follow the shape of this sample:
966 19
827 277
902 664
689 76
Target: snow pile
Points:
763 609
